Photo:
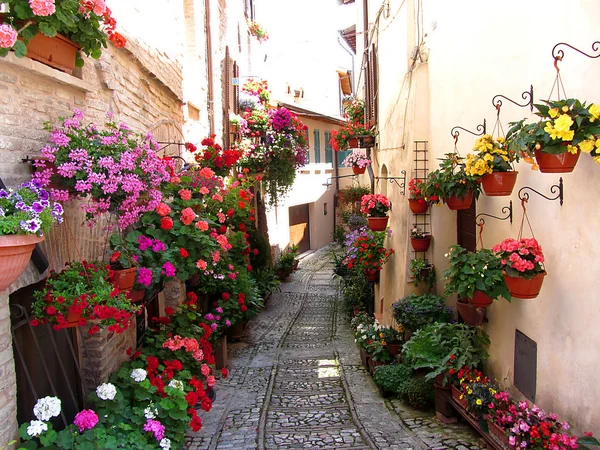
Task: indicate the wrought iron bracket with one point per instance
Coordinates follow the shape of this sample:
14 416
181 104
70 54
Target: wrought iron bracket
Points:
481 128
553 189
508 210
558 54
329 180
400 181
527 95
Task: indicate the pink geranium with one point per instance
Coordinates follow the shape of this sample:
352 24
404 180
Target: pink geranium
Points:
86 420
8 36
520 258
42 7
375 205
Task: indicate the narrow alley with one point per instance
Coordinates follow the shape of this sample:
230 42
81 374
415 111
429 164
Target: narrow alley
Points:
296 381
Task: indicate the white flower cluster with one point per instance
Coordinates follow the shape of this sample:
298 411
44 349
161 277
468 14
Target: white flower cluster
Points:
176 384
138 375
106 391
46 408
36 427
150 412
165 444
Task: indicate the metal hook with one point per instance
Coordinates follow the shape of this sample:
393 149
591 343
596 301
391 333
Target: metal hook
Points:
524 196
481 128
508 210
559 54
526 95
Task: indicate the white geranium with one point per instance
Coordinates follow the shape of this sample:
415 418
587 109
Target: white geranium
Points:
176 384
46 408
138 375
36 427
150 412
106 391
165 444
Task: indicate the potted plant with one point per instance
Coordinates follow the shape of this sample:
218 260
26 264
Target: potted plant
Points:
257 31
79 293
475 276
460 381
479 395
53 32
392 378
416 199
366 251
493 163
417 311
452 184
236 123
522 261
422 270
25 215
375 206
122 265
566 128
213 156
257 122
419 240
358 161
285 265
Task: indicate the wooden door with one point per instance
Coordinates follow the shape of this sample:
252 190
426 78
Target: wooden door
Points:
300 227
467 228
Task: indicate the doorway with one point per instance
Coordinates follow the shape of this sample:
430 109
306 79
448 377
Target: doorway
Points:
300 227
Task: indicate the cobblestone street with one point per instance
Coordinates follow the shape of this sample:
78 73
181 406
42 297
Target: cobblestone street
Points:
296 381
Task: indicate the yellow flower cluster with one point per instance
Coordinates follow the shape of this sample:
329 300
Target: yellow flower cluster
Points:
483 163
561 128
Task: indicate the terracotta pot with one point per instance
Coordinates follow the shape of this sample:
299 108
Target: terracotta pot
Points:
418 206
358 170
364 358
442 402
562 163
236 331
373 365
499 183
15 253
366 141
372 275
394 349
124 279
378 223
137 296
353 142
459 203
73 319
481 300
471 315
233 128
498 432
522 288
456 396
58 52
220 352
420 245
439 383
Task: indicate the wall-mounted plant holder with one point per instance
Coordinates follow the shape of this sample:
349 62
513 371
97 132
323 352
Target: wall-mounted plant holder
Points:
558 54
526 95
330 179
507 210
557 189
481 128
400 181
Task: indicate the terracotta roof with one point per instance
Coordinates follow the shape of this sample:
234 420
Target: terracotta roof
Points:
349 35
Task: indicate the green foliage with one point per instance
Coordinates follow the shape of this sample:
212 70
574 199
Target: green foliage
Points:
358 292
339 234
417 311
287 260
422 270
449 180
479 396
260 242
419 392
470 271
352 194
266 281
393 378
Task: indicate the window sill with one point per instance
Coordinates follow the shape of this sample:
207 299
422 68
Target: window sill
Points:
47 72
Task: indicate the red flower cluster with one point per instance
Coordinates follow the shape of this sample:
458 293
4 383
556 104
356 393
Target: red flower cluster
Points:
110 24
214 157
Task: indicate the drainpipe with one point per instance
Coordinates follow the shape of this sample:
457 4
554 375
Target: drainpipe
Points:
209 67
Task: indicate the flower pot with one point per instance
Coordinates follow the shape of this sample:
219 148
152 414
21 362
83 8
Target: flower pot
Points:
418 206
233 128
499 183
372 275
353 142
420 245
456 396
358 170
364 358
73 319
394 349
561 163
378 223
220 352
459 203
15 253
366 141
373 365
236 331
481 300
471 315
124 279
439 382
522 288
498 432
442 402
137 296
58 52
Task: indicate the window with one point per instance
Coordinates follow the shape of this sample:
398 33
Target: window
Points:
341 156
371 88
328 149
317 138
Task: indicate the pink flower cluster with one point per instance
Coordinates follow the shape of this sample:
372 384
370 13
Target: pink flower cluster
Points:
42 7
157 428
524 255
86 420
189 344
374 204
8 36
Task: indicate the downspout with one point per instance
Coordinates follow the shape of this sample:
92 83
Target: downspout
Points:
209 67
366 46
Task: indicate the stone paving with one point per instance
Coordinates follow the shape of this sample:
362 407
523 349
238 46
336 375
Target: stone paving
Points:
296 381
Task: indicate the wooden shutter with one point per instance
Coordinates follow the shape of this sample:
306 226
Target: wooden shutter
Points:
371 88
317 138
328 149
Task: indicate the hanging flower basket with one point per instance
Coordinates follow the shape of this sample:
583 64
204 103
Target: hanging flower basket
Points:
366 141
459 203
372 275
525 289
481 299
422 244
353 142
358 170
378 223
15 253
498 184
124 279
471 315
561 163
418 206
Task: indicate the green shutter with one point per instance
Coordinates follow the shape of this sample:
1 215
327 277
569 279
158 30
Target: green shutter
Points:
317 136
328 149
307 153
342 156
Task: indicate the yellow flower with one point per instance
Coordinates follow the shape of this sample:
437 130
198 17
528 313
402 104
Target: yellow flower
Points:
587 146
553 112
383 343
493 391
500 140
572 149
381 335
567 135
597 159
563 123
479 402
554 134
597 143
469 392
594 111
565 108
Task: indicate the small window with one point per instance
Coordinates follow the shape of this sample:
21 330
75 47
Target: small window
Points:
317 138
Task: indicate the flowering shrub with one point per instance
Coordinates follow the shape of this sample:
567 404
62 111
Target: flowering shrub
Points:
258 89
493 156
28 210
83 290
355 111
339 138
257 31
89 23
357 158
520 258
365 250
114 166
374 205
257 121
214 157
565 126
